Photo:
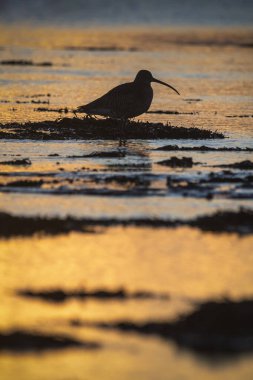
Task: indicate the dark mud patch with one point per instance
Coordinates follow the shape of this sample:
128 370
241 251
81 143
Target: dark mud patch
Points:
132 190
191 100
58 295
40 101
105 154
58 110
202 148
240 116
191 189
22 102
24 62
211 42
135 180
130 167
26 341
243 165
27 226
175 162
237 186
21 162
213 328
24 183
101 48
240 222
164 112
12 155
37 95
227 176
107 129
226 221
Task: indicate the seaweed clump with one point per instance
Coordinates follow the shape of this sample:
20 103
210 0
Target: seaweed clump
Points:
107 129
11 225
214 327
240 222
24 62
105 154
19 340
203 148
21 162
58 295
175 162
24 183
229 221
243 165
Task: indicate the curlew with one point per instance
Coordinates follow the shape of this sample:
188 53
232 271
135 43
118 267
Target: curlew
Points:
127 100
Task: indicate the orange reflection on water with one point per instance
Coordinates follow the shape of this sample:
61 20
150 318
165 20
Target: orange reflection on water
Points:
155 38
182 262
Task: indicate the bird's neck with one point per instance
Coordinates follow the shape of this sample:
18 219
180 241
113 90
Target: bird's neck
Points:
142 84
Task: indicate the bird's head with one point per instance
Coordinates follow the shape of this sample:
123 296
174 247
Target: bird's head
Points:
145 76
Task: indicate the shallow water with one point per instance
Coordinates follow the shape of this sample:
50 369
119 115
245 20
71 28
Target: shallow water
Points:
211 69
101 261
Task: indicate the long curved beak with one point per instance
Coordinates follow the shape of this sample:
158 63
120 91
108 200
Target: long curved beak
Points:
165 84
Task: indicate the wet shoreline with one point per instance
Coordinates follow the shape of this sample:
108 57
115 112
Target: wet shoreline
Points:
240 222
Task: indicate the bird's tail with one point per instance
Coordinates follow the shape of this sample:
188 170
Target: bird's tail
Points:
81 109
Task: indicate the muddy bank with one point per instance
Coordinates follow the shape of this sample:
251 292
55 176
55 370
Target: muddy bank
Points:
165 112
241 116
103 154
240 222
229 221
24 62
190 100
37 95
45 109
175 162
101 48
213 328
27 226
202 148
107 129
24 183
243 165
23 341
59 295
22 162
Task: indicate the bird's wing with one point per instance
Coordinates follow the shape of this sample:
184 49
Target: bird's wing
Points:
122 94
120 97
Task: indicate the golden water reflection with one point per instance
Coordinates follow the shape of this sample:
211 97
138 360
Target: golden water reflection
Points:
184 263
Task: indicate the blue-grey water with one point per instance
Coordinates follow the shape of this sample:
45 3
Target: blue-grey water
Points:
111 12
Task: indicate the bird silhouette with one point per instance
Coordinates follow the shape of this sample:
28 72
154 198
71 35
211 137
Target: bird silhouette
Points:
127 100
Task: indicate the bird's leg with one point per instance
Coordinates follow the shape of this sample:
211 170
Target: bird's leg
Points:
89 116
126 123
74 112
122 132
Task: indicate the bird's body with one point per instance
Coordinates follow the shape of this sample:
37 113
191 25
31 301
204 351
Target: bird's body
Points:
122 102
125 101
